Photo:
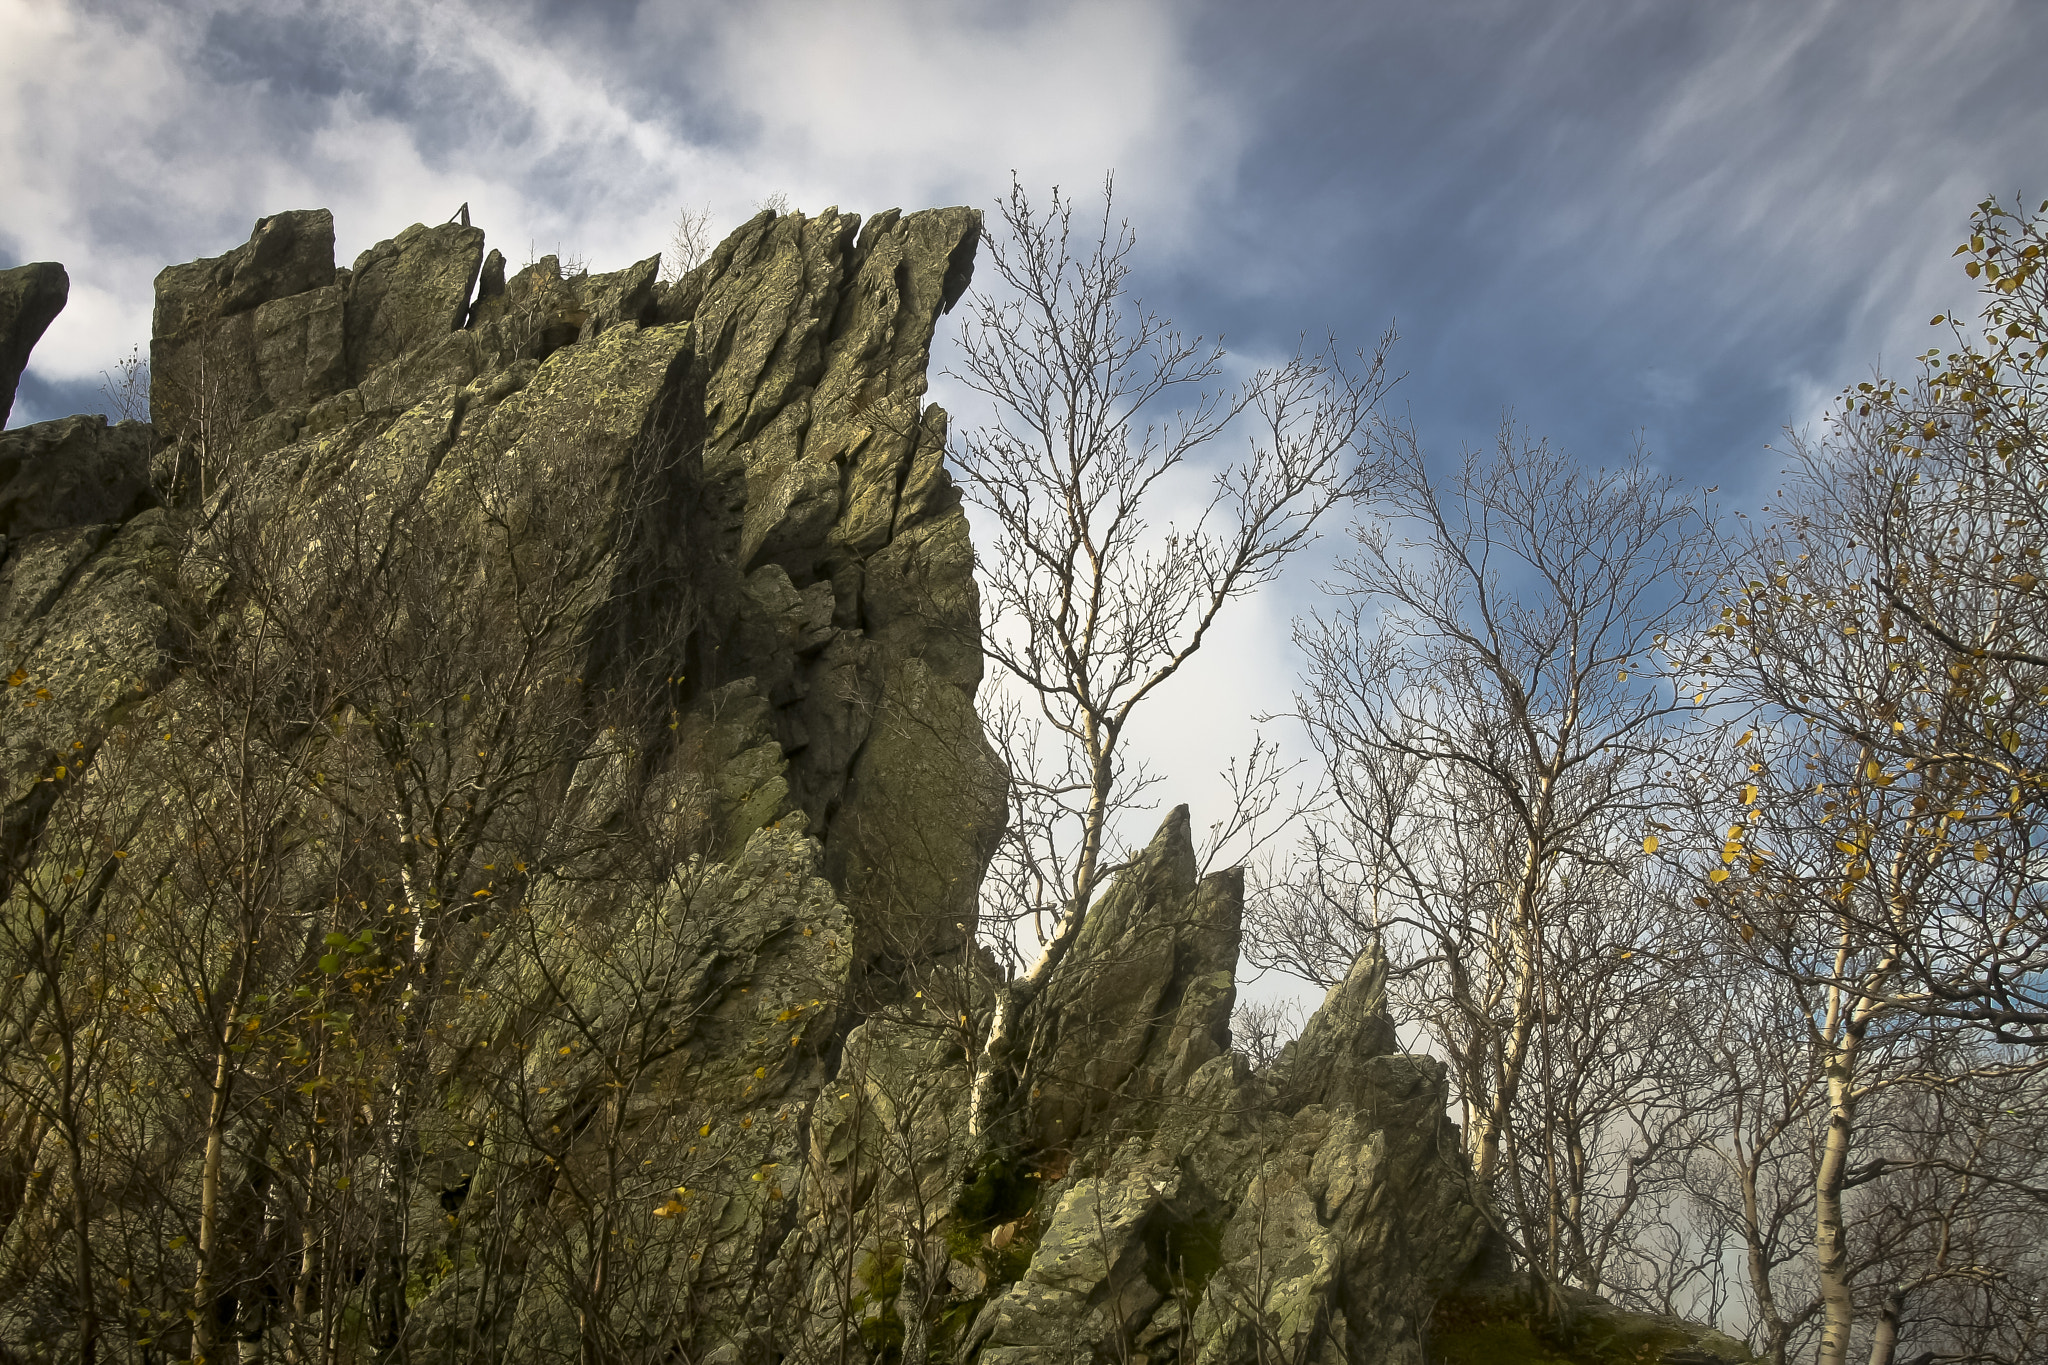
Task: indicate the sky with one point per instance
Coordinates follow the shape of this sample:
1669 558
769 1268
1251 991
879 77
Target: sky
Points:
1684 224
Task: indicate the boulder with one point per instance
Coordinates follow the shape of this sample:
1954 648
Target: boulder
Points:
1094 1281
408 291
287 253
1330 1062
244 335
75 471
31 296
1143 999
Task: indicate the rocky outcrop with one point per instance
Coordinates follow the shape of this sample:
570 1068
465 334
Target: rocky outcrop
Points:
31 296
520 729
408 292
75 471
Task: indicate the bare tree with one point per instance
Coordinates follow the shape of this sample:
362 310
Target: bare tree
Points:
1090 608
126 387
689 243
1496 708
1261 1028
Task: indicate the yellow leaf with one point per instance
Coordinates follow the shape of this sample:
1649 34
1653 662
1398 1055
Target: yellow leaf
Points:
1749 794
1649 843
705 1131
17 677
1747 736
564 1051
1718 875
1981 851
760 1073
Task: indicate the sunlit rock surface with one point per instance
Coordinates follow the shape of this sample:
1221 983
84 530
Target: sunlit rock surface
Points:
784 1172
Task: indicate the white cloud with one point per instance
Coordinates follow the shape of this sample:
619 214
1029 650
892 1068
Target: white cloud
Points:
134 139
933 102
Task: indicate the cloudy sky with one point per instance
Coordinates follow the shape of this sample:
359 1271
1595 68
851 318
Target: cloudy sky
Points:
1688 221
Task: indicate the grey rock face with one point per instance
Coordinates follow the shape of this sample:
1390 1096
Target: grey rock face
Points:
1149 1002
31 296
287 253
1330 1062
251 335
409 291
76 471
712 1106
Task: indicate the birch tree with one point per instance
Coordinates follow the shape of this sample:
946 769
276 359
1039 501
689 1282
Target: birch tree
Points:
1094 605
1874 1162
1497 709
1895 602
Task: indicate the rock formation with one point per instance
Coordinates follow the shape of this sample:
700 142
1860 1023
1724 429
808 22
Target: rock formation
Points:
31 296
645 1033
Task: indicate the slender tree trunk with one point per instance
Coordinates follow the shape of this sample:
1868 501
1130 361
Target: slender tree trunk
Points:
1885 1343
1760 1266
81 1202
1831 1242
203 1320
1515 1049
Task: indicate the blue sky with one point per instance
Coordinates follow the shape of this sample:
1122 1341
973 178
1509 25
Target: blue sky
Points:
1689 221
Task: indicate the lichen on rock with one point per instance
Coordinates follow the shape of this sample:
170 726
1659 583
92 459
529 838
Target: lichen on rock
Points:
599 969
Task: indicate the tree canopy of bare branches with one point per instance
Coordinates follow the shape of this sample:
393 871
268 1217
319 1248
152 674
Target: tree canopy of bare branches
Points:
1093 602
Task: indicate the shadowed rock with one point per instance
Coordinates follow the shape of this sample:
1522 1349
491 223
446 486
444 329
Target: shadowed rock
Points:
75 471
31 296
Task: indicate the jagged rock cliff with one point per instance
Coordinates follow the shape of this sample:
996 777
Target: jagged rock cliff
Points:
491 778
